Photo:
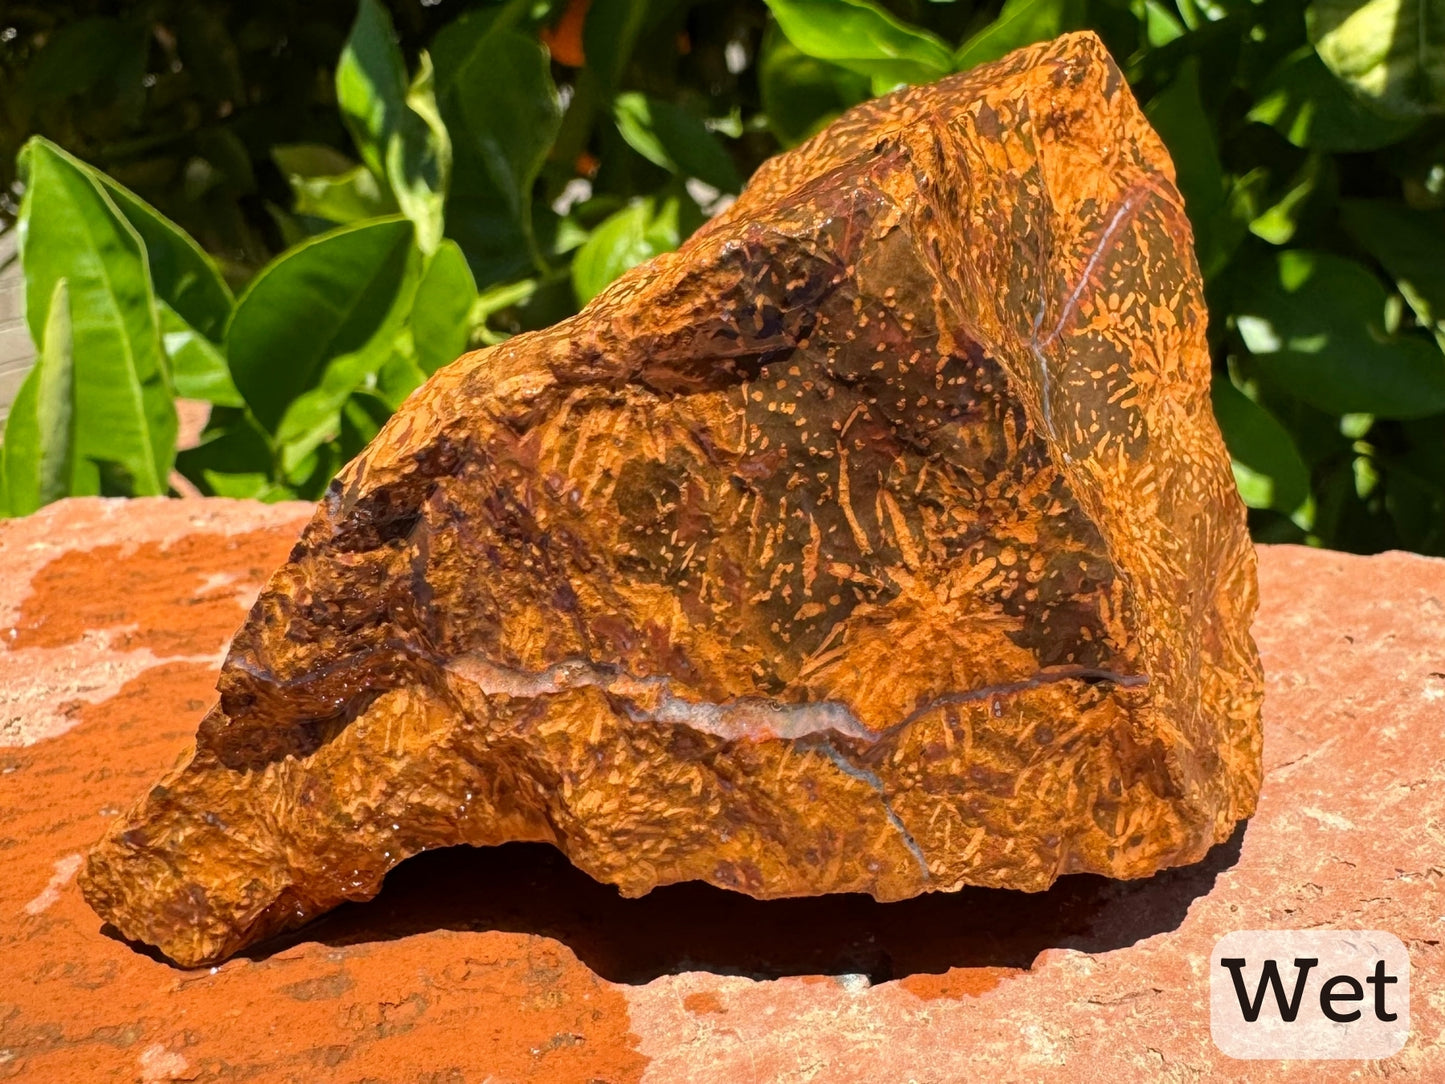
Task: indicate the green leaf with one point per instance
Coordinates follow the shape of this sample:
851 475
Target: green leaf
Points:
361 420
397 128
863 38
495 90
1161 25
419 159
55 399
37 458
1277 223
233 459
632 236
609 36
441 317
198 368
1314 110
1411 246
800 93
71 229
1390 51
398 378
1267 466
193 301
1178 115
183 275
340 294
671 137
329 186
371 84
1316 326
314 417
1020 23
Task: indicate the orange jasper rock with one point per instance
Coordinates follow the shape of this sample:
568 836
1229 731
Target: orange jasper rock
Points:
878 540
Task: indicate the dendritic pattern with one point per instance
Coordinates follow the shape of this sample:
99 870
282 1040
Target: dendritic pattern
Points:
878 540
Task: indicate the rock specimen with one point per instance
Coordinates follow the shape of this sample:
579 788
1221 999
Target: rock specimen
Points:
878 540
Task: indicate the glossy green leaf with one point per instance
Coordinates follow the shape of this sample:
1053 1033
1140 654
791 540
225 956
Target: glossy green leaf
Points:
71 229
1161 24
371 84
495 90
183 275
330 186
1020 23
1315 324
632 236
233 459
1313 109
1411 246
1267 466
419 159
336 295
37 456
361 420
441 316
671 137
1278 223
397 128
314 417
801 93
399 377
1392 52
863 38
198 367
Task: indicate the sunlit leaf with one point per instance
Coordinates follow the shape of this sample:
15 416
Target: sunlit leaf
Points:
1315 324
1411 246
198 366
1020 23
1278 222
863 38
495 91
441 315
671 137
801 93
632 236
37 457
1313 109
371 84
328 185
342 294
1267 466
1390 51
397 128
419 159
71 229
183 275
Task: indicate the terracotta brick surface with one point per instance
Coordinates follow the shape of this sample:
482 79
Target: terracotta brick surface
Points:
507 965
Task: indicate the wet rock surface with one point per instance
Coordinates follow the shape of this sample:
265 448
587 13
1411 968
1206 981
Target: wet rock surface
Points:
878 541
509 964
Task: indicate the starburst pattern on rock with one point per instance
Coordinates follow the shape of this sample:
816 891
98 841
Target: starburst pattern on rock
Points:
878 540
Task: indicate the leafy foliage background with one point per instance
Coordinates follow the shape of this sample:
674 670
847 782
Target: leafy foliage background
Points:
296 212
